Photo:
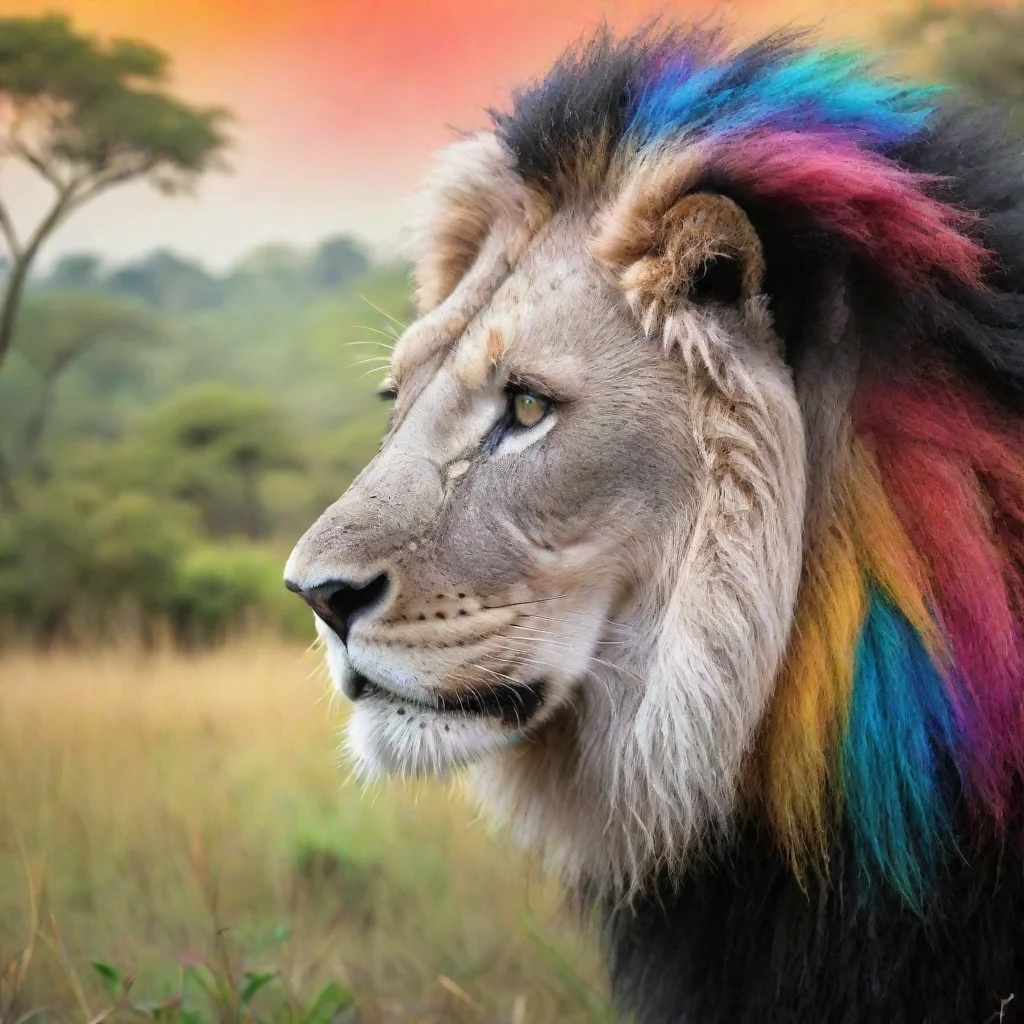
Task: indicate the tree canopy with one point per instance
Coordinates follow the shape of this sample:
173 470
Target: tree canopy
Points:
87 115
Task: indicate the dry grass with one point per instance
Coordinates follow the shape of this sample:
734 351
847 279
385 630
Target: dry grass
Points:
165 810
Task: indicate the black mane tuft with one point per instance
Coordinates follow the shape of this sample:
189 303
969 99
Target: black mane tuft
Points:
574 108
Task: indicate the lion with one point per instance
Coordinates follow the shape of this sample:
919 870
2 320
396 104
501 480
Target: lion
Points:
697 533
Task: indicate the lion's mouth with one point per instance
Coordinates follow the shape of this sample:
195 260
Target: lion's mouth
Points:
514 703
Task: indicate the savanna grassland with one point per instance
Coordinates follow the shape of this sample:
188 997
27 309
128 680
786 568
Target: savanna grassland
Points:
180 842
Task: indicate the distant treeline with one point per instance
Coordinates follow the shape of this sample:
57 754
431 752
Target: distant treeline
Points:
170 283
167 433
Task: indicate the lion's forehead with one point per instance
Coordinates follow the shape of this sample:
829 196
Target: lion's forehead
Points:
553 299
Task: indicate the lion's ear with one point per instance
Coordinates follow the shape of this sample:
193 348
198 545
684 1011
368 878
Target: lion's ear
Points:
471 193
701 249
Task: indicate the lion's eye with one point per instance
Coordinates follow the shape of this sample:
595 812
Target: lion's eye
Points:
529 409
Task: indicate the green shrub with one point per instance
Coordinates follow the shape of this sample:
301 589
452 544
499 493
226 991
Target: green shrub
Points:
225 589
77 563
80 564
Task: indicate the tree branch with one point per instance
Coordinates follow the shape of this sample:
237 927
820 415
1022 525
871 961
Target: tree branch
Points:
104 181
65 199
16 146
19 272
9 232
36 162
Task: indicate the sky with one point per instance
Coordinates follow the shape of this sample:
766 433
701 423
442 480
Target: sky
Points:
338 104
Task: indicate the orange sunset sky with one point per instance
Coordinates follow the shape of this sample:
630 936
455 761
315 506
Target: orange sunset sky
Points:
339 103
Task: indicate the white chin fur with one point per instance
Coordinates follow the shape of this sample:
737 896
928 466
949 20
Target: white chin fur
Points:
388 736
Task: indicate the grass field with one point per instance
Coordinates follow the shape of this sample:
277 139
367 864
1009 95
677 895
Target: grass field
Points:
178 842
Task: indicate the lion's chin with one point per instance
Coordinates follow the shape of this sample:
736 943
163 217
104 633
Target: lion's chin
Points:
389 736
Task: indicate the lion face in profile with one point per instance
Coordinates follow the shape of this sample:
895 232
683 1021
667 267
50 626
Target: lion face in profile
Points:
701 502
570 534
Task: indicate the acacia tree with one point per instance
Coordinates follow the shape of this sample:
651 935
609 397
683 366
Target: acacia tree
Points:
87 116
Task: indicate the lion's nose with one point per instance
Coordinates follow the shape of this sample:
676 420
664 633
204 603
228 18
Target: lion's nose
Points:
339 603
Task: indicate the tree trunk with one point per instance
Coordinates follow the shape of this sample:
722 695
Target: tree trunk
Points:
13 294
32 435
22 264
8 320
8 495
12 302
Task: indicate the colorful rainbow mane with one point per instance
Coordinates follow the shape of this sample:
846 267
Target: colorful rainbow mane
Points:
899 714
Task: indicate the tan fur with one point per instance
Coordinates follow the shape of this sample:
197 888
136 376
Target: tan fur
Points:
445 323
473 221
475 363
658 253
471 190
631 224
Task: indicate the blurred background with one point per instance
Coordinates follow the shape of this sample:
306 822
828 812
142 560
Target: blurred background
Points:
200 211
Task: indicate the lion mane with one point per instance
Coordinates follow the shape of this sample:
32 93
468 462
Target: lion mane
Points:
876 871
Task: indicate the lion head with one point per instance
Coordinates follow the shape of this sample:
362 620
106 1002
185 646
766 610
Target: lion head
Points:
703 493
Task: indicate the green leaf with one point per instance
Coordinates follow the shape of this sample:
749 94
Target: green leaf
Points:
254 981
113 980
328 1002
204 978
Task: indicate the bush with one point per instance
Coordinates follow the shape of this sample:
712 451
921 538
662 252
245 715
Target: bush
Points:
222 590
80 564
76 563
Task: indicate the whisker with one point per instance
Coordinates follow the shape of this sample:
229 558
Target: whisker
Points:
539 600
592 658
376 330
535 629
380 360
507 679
520 604
542 638
506 682
554 618
557 633
383 312
368 342
530 659
568 613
